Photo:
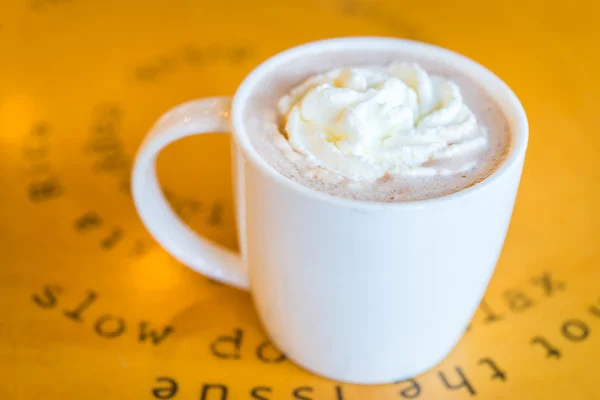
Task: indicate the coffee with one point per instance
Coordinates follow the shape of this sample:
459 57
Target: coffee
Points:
267 131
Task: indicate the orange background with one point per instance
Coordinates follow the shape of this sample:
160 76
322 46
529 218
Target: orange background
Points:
81 81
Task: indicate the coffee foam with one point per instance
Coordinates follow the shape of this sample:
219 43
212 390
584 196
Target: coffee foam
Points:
265 130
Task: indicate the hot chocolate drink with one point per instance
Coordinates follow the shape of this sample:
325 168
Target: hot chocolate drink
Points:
377 126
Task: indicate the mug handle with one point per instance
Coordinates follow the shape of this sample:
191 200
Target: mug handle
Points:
192 118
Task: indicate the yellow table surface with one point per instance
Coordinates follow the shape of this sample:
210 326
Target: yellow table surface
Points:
91 308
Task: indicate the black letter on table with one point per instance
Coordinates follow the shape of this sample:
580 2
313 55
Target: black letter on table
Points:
271 360
75 314
111 162
498 373
120 326
299 395
216 215
165 392
339 393
517 300
111 240
551 350
44 190
235 341
575 330
463 383
258 396
40 129
206 388
49 298
239 54
146 331
594 309
411 392
88 221
548 285
490 315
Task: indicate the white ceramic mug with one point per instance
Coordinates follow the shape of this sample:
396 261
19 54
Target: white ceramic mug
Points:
355 291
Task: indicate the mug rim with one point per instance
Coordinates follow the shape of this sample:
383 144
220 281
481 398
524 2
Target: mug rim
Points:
491 83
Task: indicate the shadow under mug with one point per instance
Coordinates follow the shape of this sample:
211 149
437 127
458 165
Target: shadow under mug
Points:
360 292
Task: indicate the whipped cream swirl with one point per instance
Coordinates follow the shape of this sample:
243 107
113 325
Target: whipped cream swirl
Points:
364 123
